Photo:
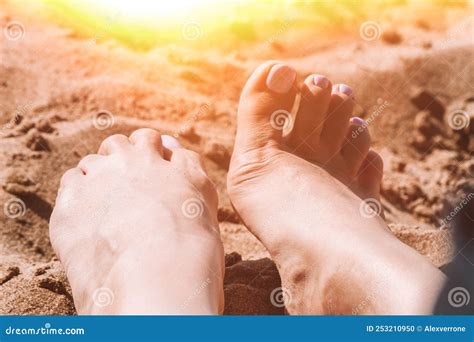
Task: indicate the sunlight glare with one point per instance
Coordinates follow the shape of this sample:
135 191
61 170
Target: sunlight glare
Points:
157 9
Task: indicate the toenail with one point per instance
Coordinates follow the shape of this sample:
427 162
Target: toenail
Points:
170 142
345 89
321 81
280 79
358 121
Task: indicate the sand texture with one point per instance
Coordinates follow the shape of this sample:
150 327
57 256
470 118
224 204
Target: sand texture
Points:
57 90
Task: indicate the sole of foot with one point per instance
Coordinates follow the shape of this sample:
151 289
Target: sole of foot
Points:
303 185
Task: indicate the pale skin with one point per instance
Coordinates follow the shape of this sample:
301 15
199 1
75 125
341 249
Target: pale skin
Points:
138 205
123 211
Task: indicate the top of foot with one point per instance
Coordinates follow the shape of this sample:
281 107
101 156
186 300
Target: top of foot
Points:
135 227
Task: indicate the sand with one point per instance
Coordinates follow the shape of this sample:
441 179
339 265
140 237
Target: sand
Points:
61 95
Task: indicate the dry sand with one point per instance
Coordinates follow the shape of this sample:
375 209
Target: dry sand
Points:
54 83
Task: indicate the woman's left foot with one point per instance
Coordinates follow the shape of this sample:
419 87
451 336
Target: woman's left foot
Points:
135 227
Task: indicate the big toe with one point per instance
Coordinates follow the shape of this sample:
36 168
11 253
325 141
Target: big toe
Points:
169 145
265 106
147 139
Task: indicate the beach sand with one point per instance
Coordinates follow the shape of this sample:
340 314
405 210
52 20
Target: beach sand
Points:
62 94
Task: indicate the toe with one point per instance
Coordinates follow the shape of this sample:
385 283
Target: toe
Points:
70 176
315 96
187 160
265 106
337 120
89 162
114 144
191 163
356 144
370 175
69 179
147 139
169 144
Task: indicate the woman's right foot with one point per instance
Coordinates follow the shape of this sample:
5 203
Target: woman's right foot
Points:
306 198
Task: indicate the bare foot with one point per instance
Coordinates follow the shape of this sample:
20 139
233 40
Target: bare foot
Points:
136 229
301 195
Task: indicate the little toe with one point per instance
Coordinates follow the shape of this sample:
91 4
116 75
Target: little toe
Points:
147 139
169 144
315 97
337 120
70 176
191 163
114 144
87 164
370 175
356 145
187 160
68 185
265 106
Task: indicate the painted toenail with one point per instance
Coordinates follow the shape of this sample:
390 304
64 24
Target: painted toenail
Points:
321 81
345 89
170 142
280 79
358 121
